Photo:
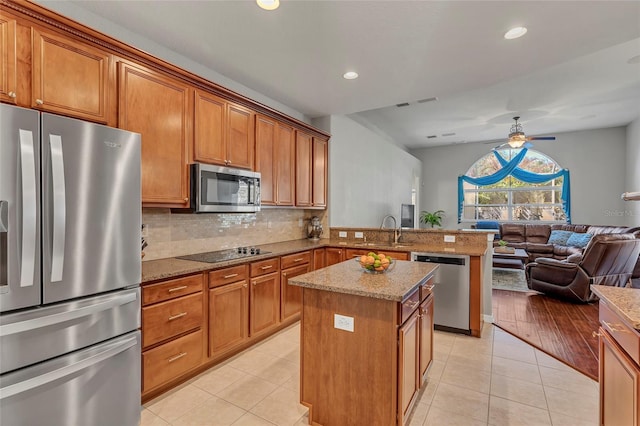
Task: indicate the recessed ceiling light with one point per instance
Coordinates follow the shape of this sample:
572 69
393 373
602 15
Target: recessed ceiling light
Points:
350 75
268 4
515 33
634 60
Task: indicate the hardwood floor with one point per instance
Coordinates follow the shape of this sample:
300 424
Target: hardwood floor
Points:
561 329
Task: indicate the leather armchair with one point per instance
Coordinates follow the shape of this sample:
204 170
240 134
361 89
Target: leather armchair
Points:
609 259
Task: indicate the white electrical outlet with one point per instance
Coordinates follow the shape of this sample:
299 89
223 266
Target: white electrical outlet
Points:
300 222
342 322
449 238
359 235
342 234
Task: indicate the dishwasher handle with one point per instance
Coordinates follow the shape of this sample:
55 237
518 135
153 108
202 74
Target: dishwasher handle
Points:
441 260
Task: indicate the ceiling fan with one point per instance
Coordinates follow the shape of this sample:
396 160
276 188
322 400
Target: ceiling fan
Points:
517 138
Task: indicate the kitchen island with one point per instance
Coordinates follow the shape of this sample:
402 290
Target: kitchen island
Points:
366 342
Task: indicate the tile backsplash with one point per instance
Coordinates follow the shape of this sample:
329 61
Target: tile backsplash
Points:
176 234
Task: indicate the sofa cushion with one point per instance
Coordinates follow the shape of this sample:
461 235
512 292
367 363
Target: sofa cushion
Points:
562 252
512 232
595 230
537 233
569 227
539 248
579 240
559 237
489 224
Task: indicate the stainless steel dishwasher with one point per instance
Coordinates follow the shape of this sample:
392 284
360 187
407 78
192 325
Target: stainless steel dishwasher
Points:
451 291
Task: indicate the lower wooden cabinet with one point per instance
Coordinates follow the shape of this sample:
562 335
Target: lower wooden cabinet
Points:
291 294
319 259
619 364
409 363
264 303
334 255
425 318
228 317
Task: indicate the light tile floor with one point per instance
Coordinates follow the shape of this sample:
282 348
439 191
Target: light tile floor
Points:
497 380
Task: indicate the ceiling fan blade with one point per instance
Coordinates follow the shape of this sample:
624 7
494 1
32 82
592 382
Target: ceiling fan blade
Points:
541 138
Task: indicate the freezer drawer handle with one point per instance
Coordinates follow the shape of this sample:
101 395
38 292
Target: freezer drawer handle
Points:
19 327
59 207
68 370
29 196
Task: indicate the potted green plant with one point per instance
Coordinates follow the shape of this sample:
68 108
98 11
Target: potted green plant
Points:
433 219
502 247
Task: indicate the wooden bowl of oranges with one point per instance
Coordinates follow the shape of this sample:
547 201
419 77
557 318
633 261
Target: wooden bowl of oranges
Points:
375 263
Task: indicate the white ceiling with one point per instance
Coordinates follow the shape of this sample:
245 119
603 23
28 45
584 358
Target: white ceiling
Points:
569 72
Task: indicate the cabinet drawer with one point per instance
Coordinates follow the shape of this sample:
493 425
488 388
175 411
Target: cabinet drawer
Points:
409 305
265 267
626 336
426 288
167 319
295 259
227 276
171 289
168 361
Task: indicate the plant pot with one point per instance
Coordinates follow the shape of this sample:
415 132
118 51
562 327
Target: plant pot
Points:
505 250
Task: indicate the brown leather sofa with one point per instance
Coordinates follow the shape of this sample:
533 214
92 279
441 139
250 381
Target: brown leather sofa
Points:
533 237
609 259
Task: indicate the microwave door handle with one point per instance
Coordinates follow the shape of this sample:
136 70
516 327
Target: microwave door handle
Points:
59 207
29 208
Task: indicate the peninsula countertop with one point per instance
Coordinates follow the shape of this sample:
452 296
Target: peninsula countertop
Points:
624 301
153 270
349 278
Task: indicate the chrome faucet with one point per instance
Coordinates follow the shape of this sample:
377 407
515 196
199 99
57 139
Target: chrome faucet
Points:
397 232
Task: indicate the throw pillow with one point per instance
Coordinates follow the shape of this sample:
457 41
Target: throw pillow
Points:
559 237
489 224
579 240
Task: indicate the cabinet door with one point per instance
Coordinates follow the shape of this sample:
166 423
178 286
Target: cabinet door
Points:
210 117
158 107
285 165
69 77
303 169
319 168
8 59
319 259
240 136
426 336
619 385
228 317
264 302
333 255
291 294
408 365
265 161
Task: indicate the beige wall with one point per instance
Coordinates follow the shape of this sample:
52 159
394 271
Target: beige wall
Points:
174 234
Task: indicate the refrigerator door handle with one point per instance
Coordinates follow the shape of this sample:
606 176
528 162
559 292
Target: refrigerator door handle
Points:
59 208
35 323
29 208
4 251
67 370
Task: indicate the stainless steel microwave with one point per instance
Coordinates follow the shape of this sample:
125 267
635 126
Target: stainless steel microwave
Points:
219 189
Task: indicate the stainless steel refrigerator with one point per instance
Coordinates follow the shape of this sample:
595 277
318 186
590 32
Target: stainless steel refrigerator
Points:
70 221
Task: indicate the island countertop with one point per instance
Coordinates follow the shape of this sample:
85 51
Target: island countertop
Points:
350 278
624 301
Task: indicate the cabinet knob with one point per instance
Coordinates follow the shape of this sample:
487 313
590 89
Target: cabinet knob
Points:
228 161
186 199
39 101
244 285
12 95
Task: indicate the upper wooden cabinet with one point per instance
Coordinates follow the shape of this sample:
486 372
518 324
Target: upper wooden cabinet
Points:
71 78
304 147
320 172
8 59
159 108
275 160
224 132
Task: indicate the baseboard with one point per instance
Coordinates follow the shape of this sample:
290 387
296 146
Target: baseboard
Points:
488 318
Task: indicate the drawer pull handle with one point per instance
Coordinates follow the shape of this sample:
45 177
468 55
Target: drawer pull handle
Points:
429 287
619 328
266 267
177 357
411 305
230 276
300 259
595 334
180 315
182 287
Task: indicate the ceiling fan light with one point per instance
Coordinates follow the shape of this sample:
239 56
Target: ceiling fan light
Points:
515 33
268 4
516 139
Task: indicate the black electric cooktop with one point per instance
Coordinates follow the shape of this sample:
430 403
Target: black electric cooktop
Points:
224 255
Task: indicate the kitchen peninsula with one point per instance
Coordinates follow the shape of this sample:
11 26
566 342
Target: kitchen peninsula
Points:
372 333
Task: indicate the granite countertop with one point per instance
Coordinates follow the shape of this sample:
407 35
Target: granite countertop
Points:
624 301
153 270
349 278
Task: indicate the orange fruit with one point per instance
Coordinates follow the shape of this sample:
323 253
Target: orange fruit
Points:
363 259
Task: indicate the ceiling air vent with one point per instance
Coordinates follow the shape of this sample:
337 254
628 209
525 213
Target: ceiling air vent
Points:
421 101
432 136
404 104
448 134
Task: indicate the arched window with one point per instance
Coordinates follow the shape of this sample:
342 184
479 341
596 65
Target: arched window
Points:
512 199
